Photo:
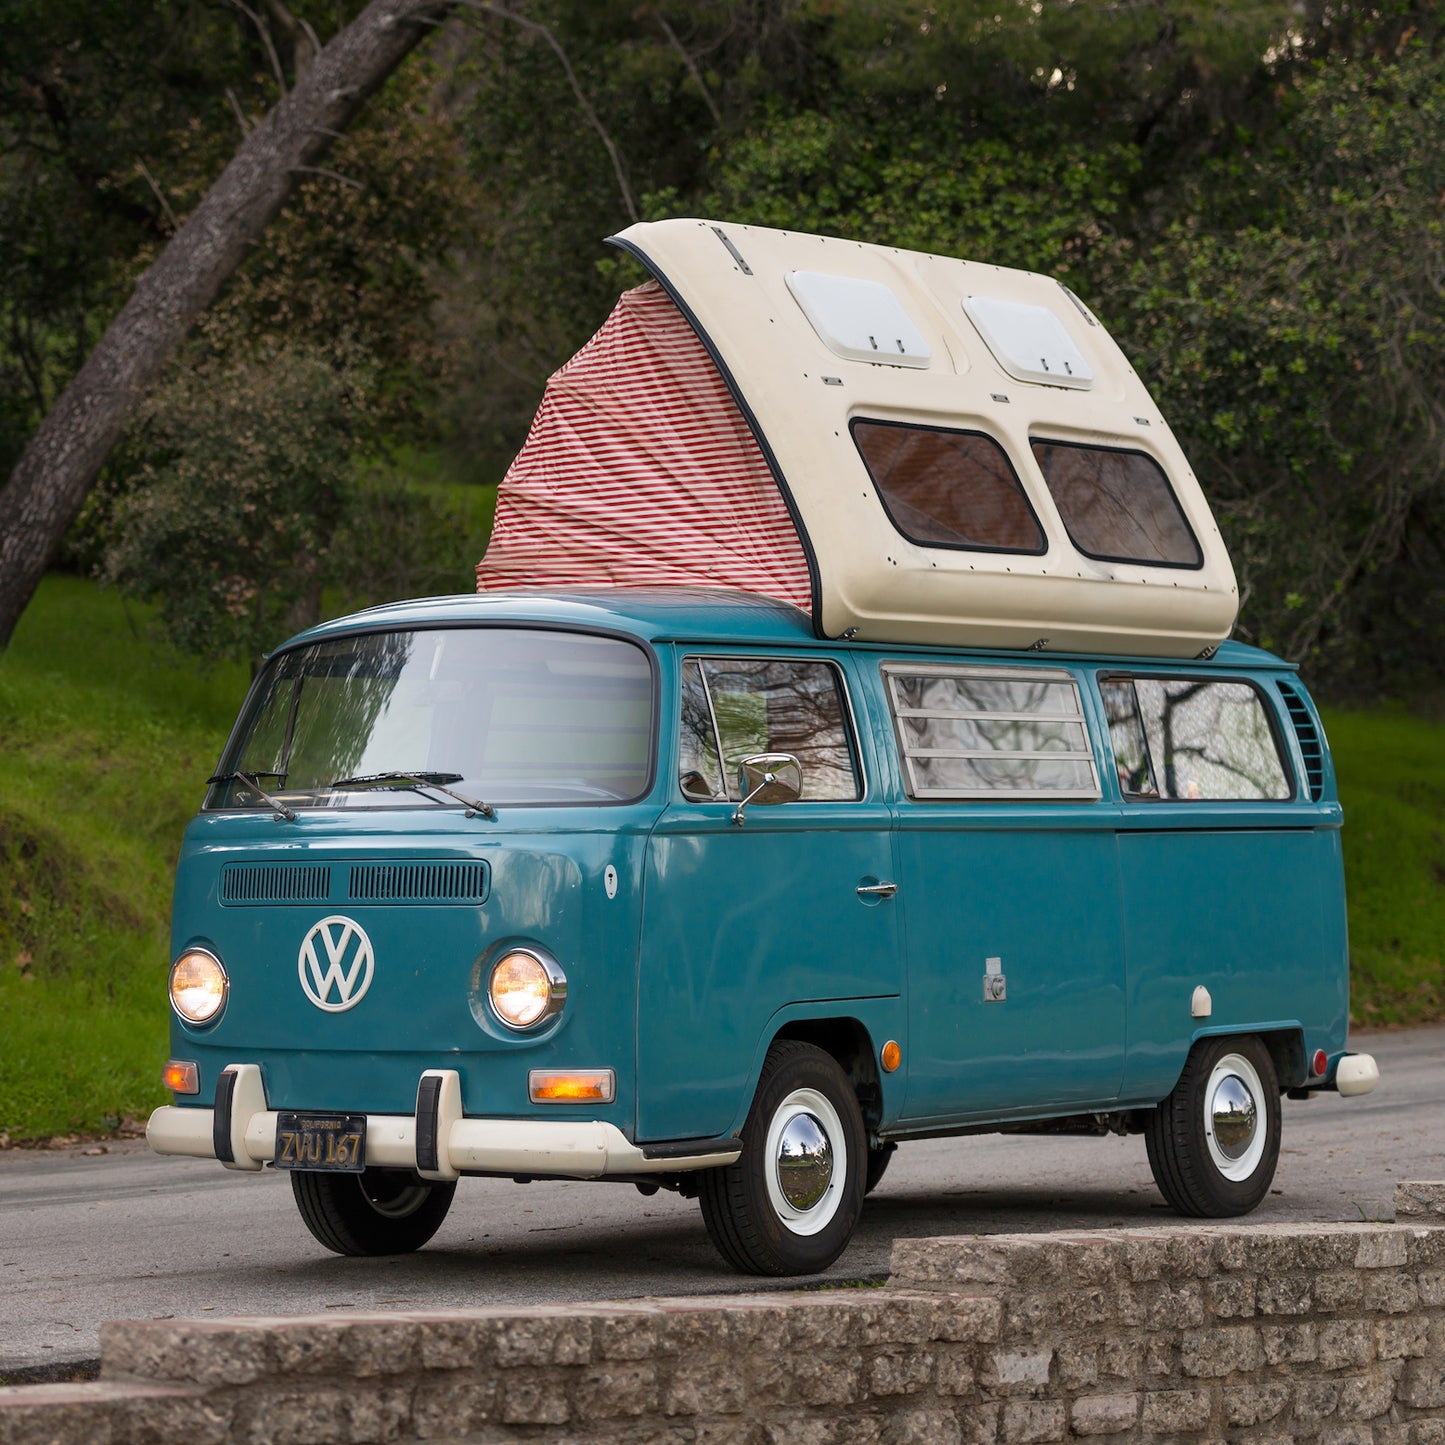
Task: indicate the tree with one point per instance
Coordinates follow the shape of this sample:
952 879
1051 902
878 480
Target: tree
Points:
1291 320
59 466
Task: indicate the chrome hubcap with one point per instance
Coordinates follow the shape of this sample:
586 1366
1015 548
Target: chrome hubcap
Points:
1236 1126
1236 1117
804 1161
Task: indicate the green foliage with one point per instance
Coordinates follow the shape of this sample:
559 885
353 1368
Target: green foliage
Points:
1393 786
247 517
114 116
405 539
1034 206
1247 191
104 750
242 485
1299 349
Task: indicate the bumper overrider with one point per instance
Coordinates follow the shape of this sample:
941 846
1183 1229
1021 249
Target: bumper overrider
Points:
1356 1074
438 1141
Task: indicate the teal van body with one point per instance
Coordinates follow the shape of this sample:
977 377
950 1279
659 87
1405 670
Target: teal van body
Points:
1027 960
928 797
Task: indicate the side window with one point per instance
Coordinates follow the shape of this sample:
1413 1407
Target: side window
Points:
1117 505
945 488
697 764
736 706
1185 740
1126 737
997 733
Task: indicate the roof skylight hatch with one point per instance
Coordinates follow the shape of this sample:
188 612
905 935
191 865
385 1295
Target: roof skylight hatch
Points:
859 320
1029 342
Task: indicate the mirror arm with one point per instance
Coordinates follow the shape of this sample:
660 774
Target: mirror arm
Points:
768 780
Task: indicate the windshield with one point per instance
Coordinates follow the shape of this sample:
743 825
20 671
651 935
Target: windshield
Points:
503 715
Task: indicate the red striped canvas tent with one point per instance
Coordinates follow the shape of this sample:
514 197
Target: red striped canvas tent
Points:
640 470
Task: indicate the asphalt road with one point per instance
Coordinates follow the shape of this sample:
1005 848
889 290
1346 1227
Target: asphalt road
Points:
127 1234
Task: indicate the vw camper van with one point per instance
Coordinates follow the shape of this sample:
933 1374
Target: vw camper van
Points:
844 746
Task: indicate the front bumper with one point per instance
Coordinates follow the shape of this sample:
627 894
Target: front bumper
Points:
438 1141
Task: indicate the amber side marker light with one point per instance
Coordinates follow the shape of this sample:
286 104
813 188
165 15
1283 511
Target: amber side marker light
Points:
181 1076
891 1056
582 1086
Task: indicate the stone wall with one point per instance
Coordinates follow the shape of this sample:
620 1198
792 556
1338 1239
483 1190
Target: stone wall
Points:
1333 1333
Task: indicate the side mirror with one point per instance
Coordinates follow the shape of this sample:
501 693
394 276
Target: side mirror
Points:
766 778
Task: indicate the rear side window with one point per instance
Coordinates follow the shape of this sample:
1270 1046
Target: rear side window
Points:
998 733
1117 505
733 707
945 488
1186 740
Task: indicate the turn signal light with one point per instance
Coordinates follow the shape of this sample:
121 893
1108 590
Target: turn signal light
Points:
181 1076
585 1086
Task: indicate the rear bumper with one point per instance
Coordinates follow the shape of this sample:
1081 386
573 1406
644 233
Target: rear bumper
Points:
438 1141
1356 1074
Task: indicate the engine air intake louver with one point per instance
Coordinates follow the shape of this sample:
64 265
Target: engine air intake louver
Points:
419 882
1309 740
275 883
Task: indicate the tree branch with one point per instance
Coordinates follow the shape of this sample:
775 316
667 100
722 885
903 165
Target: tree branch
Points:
330 175
238 113
264 31
593 119
160 195
691 65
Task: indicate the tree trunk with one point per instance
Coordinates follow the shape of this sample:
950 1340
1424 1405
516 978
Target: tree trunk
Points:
64 457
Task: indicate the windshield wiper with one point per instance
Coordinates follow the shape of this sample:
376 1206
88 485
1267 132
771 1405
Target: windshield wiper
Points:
279 810
436 781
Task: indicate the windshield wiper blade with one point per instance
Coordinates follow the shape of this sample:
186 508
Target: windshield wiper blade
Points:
279 810
435 781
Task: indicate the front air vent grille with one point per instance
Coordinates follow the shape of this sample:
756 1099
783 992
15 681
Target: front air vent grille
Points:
1309 740
275 883
418 882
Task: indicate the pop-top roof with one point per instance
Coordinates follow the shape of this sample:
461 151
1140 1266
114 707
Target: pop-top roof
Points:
910 448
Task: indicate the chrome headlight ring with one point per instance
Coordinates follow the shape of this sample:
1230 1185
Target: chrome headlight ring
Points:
526 987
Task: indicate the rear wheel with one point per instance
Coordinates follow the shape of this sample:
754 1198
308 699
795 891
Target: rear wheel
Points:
791 1201
1214 1142
379 1211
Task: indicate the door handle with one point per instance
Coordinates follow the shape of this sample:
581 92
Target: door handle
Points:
877 890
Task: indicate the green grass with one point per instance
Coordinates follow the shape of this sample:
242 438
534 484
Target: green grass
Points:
1391 768
105 744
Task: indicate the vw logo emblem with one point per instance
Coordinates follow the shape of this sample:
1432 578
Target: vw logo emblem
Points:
346 970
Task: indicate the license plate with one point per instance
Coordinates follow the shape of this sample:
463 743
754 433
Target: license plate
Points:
323 1143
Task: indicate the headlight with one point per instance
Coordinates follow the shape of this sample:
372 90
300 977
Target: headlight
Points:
526 987
198 986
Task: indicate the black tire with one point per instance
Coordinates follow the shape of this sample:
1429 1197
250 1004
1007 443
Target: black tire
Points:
878 1166
379 1211
1214 1173
749 1217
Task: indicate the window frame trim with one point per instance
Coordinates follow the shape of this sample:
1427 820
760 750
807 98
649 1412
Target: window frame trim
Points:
852 738
890 668
1281 742
985 547
1196 566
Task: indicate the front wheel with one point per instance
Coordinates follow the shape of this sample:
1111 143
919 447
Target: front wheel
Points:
790 1202
1214 1142
379 1211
